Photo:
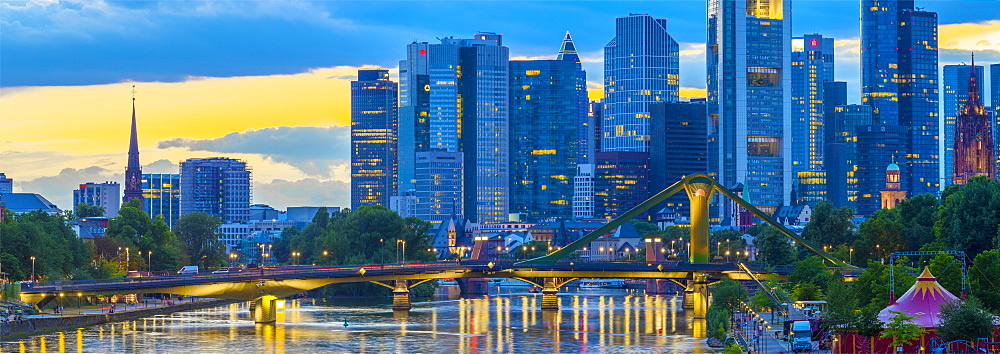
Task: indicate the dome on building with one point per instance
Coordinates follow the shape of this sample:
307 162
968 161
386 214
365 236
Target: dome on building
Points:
892 167
923 300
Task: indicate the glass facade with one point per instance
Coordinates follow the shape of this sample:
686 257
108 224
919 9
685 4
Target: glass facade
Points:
439 179
956 93
641 67
812 66
842 153
882 145
677 148
621 183
373 138
547 104
217 186
749 100
995 102
161 193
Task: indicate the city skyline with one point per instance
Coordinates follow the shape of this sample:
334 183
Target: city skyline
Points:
274 117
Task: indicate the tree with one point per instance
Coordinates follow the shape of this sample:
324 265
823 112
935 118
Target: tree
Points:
773 247
948 272
807 292
881 235
200 233
983 279
968 217
810 270
868 324
964 320
58 252
644 228
84 210
842 305
901 329
134 229
829 226
729 294
918 214
872 286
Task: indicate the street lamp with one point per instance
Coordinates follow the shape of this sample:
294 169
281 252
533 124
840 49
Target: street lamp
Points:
402 254
852 256
32 268
295 257
149 261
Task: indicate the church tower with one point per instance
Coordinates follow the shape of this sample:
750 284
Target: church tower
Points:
893 192
973 139
133 172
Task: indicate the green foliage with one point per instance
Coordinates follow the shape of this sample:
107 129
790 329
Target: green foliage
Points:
134 229
965 320
829 226
760 300
807 292
868 324
842 306
901 329
532 249
983 281
729 293
872 286
773 247
644 228
969 215
948 272
717 322
84 210
200 233
733 348
57 250
881 234
810 270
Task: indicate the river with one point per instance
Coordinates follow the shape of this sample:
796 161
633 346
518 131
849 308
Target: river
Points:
508 321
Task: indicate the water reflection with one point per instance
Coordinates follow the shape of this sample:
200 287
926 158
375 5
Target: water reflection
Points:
588 320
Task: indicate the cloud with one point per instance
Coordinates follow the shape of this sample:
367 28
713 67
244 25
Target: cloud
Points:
281 194
59 188
45 20
970 36
161 166
692 50
316 151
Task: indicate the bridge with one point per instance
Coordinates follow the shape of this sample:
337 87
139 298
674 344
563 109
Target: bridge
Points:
549 272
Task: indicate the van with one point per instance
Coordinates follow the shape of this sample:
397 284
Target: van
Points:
188 270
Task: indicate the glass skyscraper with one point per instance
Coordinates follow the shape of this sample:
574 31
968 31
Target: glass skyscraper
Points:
454 98
641 67
812 66
899 80
677 148
956 93
161 195
842 153
749 100
882 145
217 186
373 138
548 104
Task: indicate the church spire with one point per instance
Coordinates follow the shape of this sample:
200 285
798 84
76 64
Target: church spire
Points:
568 50
133 171
973 138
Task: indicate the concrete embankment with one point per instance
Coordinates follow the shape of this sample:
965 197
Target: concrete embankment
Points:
39 325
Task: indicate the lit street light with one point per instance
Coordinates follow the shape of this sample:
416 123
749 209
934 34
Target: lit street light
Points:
402 254
852 256
32 268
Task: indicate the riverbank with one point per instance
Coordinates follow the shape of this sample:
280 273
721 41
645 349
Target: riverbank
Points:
40 324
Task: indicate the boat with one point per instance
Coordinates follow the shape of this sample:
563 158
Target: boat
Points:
513 282
602 283
447 282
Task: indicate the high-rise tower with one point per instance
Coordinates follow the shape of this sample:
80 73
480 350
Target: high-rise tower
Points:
133 171
373 138
973 140
955 95
811 68
641 67
749 100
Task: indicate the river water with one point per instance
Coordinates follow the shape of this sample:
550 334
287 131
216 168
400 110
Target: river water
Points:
507 321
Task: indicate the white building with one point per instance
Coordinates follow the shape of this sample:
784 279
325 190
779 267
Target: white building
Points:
583 192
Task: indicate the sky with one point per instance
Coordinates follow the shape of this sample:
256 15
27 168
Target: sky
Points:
268 81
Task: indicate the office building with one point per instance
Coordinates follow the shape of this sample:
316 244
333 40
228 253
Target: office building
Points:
749 101
974 143
373 138
161 194
899 80
812 67
641 67
217 186
954 96
548 103
842 153
583 192
439 187
621 182
677 147
995 102
882 145
106 195
595 116
6 184
454 99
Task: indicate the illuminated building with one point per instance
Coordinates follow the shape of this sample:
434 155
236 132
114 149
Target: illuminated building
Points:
878 146
621 182
641 67
811 188
6 184
974 144
899 80
439 177
995 102
217 186
161 193
548 107
133 171
595 116
955 95
749 100
106 195
678 147
454 98
893 192
583 192
811 68
373 138
842 153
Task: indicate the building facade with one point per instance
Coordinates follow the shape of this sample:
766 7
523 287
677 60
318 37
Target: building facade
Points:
106 195
882 145
621 182
641 67
161 193
812 67
439 187
842 153
899 80
6 184
954 96
583 192
974 143
373 138
217 186
133 170
749 101
677 147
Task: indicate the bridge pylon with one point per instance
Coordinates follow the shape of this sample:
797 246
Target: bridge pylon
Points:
550 294
265 309
401 296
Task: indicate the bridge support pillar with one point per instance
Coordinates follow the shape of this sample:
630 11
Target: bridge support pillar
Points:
699 292
473 286
401 296
550 294
699 194
659 286
265 310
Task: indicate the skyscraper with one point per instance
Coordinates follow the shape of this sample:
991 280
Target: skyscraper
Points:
974 144
548 104
621 182
162 196
133 171
956 94
373 138
641 66
105 195
899 80
677 148
842 153
6 184
882 145
749 95
811 68
995 102
217 186
454 98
